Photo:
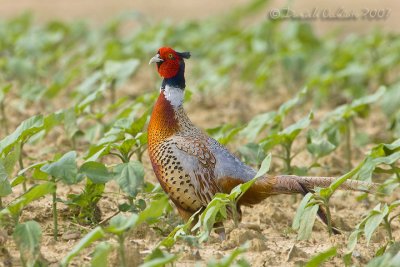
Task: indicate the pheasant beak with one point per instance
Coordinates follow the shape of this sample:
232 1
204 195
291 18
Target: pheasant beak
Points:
156 59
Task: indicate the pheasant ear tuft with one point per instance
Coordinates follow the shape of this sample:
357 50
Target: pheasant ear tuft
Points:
184 54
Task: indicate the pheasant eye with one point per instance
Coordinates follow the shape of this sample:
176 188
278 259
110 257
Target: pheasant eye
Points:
170 56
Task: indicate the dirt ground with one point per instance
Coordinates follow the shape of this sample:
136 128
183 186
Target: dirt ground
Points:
268 225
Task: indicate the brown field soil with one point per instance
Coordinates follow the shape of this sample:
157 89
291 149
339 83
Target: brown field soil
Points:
268 225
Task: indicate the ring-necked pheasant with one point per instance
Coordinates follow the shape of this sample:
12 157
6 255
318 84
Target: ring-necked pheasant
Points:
192 167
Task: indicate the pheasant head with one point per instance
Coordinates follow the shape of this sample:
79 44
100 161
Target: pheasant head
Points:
171 66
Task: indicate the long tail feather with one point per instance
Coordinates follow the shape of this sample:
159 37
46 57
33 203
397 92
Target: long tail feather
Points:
290 184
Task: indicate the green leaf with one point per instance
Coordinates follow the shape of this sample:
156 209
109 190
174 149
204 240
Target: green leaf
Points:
158 258
291 103
26 129
4 90
305 217
391 258
96 172
5 186
154 210
119 224
98 151
28 236
70 123
229 259
11 160
264 166
31 195
100 255
120 70
64 168
351 245
130 177
94 235
293 130
374 220
255 126
224 134
317 145
318 259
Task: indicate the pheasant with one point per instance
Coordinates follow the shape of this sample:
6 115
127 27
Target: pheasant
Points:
192 167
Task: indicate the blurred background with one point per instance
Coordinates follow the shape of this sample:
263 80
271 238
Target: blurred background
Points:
103 10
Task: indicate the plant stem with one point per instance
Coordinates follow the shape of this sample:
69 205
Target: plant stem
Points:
119 156
121 249
1 203
328 217
55 222
4 117
112 90
288 157
21 164
388 227
348 144
130 199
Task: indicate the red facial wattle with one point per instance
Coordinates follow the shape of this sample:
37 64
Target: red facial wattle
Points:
169 67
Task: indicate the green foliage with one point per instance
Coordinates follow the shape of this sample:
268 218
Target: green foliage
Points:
64 169
303 222
119 224
318 259
5 186
15 207
390 259
224 134
379 215
158 258
28 236
85 204
100 254
231 259
130 176
96 234
381 154
96 172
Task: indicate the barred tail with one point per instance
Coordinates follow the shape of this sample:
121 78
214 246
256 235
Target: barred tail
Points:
290 184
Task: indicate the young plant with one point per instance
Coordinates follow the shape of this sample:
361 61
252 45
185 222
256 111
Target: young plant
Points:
5 186
64 170
380 215
117 72
318 259
27 237
15 207
118 228
285 139
383 154
340 122
4 120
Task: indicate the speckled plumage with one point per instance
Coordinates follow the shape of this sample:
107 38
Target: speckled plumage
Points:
192 167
